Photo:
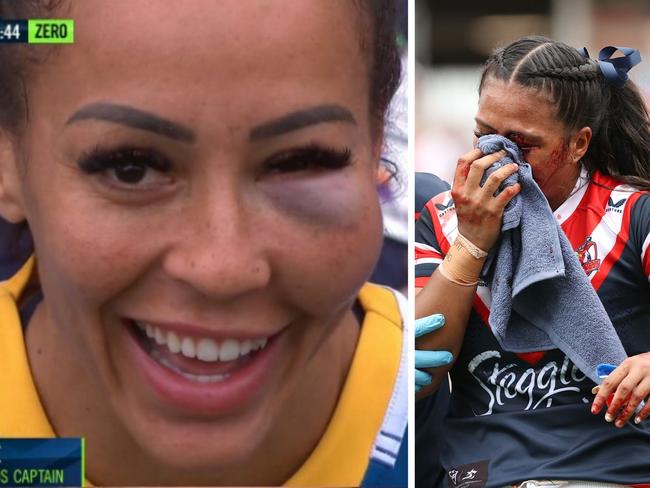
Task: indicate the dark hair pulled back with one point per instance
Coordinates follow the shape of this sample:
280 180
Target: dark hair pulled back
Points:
617 116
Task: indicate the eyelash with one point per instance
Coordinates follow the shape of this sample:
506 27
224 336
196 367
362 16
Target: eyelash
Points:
98 159
312 157
101 160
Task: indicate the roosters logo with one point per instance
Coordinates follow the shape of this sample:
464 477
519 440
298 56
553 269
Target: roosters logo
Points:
615 206
443 208
588 256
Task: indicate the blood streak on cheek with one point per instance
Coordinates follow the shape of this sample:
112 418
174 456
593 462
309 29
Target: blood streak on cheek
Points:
557 157
556 160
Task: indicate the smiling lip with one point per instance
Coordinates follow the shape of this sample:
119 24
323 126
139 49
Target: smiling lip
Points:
201 372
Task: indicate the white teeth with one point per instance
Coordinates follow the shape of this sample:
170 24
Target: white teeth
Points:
188 348
229 350
160 336
173 343
199 378
204 378
205 348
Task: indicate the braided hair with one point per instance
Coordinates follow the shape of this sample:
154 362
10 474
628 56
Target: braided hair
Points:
617 116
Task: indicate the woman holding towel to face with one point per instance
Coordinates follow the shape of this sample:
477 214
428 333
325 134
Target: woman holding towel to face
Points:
525 416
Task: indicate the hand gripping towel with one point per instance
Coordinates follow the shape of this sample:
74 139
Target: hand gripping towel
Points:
541 297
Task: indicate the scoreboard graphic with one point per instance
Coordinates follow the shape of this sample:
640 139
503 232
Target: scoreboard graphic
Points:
37 31
42 462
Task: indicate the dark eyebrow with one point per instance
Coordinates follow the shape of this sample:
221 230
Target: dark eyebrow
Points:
525 135
132 117
484 124
302 118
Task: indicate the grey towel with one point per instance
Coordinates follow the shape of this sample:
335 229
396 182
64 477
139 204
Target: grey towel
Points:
541 296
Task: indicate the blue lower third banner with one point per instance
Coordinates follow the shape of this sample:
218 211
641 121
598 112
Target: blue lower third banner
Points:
42 462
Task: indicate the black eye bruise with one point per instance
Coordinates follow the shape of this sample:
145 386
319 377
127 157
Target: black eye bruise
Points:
310 157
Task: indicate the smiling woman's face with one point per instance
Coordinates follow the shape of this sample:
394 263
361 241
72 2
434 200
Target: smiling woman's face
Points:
200 183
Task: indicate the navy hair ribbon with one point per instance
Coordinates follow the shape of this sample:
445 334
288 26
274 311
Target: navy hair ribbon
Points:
615 69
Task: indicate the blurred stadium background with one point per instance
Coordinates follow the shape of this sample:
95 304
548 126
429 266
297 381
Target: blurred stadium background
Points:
453 38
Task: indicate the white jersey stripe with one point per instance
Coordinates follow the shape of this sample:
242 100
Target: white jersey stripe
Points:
446 218
644 250
605 233
390 437
484 295
449 225
425 247
428 261
565 210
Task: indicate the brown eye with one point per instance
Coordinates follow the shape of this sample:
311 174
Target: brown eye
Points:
128 166
130 173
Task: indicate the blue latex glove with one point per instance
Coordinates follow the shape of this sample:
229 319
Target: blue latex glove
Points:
603 370
428 359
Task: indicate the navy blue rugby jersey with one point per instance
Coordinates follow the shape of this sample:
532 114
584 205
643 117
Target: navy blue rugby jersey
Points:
527 416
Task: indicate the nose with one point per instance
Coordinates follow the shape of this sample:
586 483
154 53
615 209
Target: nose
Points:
215 250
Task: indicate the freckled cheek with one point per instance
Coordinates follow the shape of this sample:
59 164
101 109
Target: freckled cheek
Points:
90 257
